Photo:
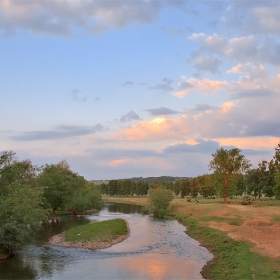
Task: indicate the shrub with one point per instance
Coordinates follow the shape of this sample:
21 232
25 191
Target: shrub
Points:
160 199
245 200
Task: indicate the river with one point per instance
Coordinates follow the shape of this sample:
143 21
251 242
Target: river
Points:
155 249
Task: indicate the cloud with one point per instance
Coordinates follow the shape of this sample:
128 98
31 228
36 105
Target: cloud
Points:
128 83
131 115
63 131
204 63
253 71
77 97
203 146
164 86
111 154
254 17
205 85
202 108
161 111
62 17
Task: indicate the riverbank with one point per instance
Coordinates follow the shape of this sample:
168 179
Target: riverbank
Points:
243 239
93 236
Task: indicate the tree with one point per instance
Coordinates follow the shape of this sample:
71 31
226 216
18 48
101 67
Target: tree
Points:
21 211
184 187
87 197
226 164
60 185
208 187
160 199
21 215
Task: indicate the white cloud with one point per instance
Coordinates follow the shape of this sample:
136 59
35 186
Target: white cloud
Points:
205 63
62 17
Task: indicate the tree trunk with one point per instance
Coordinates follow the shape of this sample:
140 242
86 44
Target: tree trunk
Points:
225 198
225 193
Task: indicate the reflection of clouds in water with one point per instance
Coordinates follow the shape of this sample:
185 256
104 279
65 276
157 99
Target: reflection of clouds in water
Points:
156 249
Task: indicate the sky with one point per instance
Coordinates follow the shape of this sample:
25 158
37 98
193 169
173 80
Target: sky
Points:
132 88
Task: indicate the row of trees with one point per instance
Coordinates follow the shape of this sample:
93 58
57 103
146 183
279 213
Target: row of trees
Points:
29 195
124 188
232 175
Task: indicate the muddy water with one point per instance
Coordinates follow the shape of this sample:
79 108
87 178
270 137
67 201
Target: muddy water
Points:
155 249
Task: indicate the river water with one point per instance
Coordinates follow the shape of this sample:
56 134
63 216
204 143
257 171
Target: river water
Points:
155 249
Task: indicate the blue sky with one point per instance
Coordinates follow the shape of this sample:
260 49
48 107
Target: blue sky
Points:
139 88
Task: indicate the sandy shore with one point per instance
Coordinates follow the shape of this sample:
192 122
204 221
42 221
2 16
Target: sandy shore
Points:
58 240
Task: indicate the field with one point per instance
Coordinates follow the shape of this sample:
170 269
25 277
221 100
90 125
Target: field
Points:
243 238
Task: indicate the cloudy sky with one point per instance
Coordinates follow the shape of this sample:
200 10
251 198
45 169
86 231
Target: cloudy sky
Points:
139 88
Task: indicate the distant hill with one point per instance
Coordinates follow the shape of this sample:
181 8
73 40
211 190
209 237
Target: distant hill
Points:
147 179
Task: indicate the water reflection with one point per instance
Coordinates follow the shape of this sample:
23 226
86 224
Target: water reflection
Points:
124 208
156 249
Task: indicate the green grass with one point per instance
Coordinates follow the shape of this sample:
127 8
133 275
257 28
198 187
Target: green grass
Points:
233 259
105 231
235 222
275 219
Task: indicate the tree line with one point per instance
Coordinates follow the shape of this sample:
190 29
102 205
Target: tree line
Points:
232 176
30 195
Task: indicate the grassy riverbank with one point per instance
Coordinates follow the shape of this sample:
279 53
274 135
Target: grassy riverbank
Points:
105 231
94 235
240 237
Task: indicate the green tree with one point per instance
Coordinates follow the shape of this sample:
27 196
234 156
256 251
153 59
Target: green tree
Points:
21 214
60 185
184 187
194 187
159 199
226 164
208 186
86 197
176 187
252 180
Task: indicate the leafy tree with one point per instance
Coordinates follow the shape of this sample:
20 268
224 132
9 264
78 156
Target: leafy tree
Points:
276 188
194 187
184 187
87 197
20 215
241 185
160 199
226 164
176 187
253 183
208 187
60 185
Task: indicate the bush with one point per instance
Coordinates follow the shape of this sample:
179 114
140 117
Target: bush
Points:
160 199
245 200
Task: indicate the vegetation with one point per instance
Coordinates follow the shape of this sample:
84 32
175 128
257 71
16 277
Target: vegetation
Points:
233 259
28 194
227 164
105 231
160 199
20 202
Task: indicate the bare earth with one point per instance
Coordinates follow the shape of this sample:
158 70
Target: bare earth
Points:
257 229
58 240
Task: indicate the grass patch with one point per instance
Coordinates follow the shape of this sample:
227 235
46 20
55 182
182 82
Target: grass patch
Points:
233 259
235 222
275 219
105 231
